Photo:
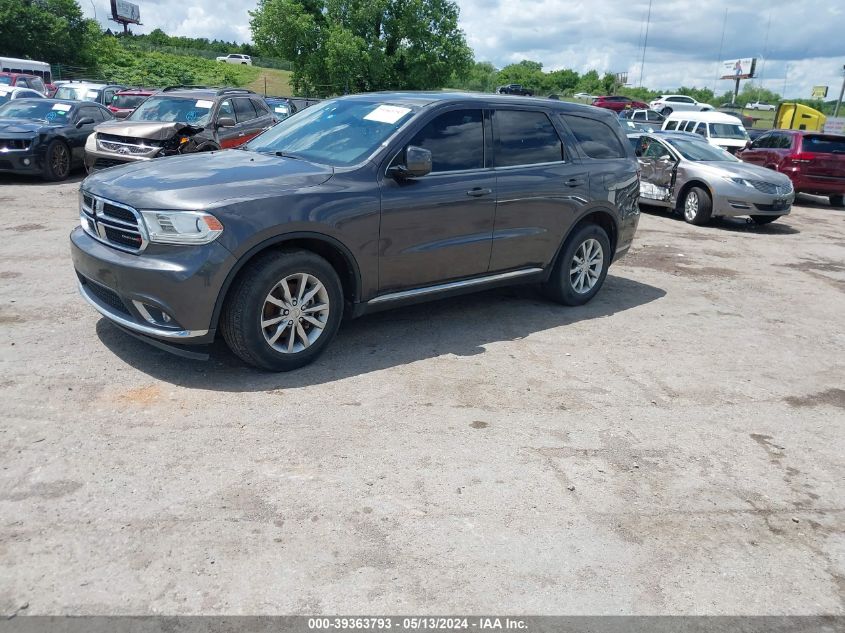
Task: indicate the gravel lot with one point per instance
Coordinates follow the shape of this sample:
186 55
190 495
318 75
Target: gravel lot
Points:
676 446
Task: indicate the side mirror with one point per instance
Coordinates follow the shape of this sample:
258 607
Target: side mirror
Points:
86 121
225 121
417 163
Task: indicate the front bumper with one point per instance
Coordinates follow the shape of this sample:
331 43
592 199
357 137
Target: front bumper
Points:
97 158
135 291
733 200
22 162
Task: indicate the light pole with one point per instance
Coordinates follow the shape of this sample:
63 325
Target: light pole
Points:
841 92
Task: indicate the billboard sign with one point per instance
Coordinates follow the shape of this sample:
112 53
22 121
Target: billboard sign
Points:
738 68
834 126
122 11
819 92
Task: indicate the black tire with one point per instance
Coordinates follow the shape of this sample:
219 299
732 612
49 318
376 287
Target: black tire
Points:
246 306
561 284
57 161
699 212
666 111
837 200
760 220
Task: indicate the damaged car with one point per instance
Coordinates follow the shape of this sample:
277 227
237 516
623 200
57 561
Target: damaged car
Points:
683 172
180 120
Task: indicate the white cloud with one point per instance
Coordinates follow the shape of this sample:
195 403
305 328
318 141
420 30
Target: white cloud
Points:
683 41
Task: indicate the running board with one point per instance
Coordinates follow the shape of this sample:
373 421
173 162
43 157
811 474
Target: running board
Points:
453 285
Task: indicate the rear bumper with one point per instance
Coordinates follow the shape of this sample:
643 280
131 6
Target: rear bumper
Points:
627 230
819 185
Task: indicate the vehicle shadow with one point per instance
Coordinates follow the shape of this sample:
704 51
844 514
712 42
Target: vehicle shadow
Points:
460 326
78 175
816 202
780 226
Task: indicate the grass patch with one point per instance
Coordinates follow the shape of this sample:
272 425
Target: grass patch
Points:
277 82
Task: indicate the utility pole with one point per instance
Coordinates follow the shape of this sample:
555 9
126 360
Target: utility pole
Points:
841 93
645 42
721 46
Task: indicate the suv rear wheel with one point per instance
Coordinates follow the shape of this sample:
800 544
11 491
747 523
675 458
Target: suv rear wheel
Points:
581 267
283 310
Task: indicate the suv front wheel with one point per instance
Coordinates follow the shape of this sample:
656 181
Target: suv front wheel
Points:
283 310
581 267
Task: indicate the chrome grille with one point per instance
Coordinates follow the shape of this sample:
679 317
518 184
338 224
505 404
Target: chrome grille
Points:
771 188
14 144
113 223
126 146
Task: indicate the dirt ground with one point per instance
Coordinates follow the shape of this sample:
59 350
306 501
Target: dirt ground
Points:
676 446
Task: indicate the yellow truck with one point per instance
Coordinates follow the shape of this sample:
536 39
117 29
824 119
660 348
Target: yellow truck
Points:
795 116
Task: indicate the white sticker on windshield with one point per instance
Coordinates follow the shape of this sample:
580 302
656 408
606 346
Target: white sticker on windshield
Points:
202 103
387 114
61 107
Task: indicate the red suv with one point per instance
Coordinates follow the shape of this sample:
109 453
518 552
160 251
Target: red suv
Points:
22 80
617 104
815 162
125 101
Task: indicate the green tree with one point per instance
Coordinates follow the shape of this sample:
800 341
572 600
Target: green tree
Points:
481 77
527 73
54 31
590 83
360 45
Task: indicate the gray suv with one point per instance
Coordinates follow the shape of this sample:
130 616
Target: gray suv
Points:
353 205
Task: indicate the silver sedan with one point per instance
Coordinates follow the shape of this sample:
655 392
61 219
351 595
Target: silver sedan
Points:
683 172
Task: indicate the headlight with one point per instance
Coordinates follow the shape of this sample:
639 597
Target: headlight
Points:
181 227
738 181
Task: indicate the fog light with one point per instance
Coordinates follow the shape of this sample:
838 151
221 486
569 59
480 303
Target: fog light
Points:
26 162
153 315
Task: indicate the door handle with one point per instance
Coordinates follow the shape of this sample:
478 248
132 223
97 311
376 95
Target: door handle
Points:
242 134
477 192
575 182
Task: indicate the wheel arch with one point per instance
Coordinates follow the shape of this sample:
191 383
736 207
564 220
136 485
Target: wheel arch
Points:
603 218
694 182
332 250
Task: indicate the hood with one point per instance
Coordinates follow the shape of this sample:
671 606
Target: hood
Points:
204 180
23 126
153 130
743 170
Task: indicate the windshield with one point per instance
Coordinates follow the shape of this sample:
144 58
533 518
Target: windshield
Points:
127 102
42 110
341 132
728 130
174 109
5 80
701 151
77 93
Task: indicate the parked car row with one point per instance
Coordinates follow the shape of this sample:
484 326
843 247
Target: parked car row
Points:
151 123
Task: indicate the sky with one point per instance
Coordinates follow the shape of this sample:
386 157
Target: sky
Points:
798 44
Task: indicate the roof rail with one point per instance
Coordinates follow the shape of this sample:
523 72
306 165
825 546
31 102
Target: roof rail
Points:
226 91
182 87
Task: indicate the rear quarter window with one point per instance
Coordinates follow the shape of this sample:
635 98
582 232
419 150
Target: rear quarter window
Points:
823 144
596 139
525 138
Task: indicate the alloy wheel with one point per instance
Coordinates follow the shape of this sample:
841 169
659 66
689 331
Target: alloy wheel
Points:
586 266
59 160
295 313
691 205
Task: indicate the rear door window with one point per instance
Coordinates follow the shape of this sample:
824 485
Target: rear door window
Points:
823 144
671 125
597 140
455 140
244 110
525 138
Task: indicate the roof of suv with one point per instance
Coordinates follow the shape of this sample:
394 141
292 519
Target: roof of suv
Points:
422 99
204 92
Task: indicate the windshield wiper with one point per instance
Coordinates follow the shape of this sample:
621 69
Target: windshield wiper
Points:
287 155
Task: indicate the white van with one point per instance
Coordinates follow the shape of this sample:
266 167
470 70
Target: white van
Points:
27 67
720 129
